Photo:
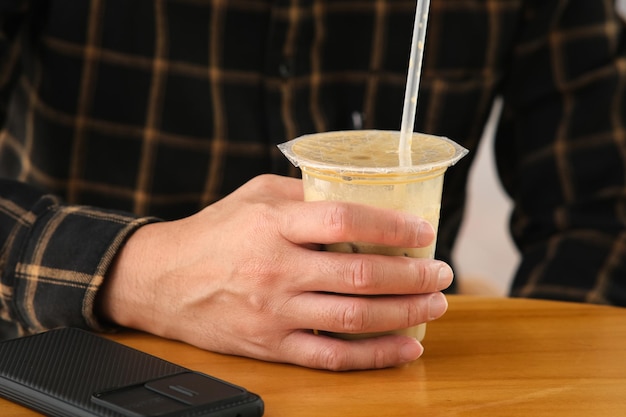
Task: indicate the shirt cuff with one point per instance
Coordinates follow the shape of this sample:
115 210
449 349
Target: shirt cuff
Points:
64 259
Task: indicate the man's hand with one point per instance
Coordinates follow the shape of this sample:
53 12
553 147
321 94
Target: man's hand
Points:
245 276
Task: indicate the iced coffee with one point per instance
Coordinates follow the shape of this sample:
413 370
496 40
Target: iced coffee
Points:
364 166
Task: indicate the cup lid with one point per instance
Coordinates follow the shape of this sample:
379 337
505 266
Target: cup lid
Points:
370 152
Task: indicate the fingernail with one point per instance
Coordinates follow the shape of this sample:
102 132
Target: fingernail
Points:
411 351
425 234
437 305
446 275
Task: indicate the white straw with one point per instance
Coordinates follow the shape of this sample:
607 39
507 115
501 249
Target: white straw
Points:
413 81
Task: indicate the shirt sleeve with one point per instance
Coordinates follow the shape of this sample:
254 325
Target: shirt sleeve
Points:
561 150
53 259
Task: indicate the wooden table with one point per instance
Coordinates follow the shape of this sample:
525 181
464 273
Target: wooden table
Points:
485 357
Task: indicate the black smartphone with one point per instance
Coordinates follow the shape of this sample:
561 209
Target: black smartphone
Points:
72 372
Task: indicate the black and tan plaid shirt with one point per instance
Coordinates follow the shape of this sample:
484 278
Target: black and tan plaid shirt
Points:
159 107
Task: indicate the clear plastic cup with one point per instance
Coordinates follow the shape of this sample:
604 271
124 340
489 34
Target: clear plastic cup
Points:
363 166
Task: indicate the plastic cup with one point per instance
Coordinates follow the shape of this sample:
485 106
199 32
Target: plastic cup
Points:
363 166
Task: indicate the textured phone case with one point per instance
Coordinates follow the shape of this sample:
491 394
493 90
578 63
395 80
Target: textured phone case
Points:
56 372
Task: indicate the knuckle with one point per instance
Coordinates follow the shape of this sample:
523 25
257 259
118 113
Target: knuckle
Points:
379 359
339 357
399 230
262 215
361 273
415 314
333 357
354 318
263 181
337 220
425 279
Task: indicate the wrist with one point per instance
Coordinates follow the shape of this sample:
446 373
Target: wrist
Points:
125 294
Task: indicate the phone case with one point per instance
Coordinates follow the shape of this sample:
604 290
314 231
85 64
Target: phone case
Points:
72 372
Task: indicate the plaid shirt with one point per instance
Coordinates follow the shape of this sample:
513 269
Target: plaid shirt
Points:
119 112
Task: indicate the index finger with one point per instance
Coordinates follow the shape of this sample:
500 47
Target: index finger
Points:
333 222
